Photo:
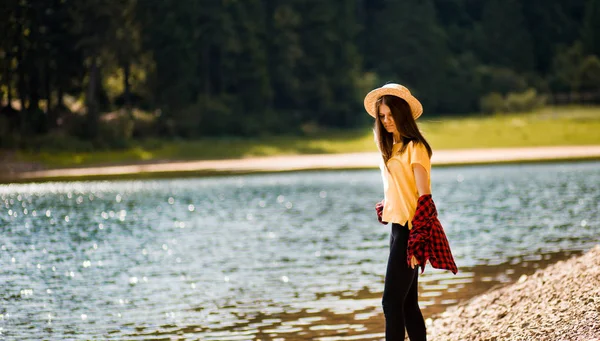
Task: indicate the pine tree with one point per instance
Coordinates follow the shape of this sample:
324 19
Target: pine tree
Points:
591 27
411 49
505 39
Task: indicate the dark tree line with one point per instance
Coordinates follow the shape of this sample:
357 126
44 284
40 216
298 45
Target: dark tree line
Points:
193 68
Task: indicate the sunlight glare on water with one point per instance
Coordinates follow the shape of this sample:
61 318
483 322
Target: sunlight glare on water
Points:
291 256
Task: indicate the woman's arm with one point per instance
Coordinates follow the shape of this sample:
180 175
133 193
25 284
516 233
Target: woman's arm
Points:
422 179
423 187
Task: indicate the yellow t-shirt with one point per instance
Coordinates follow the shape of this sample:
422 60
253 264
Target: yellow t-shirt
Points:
399 185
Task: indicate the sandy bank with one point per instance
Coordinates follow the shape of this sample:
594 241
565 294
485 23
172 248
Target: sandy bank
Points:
301 162
561 302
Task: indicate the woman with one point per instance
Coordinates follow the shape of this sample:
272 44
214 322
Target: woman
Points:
407 205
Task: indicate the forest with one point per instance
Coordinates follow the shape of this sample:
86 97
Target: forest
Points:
101 73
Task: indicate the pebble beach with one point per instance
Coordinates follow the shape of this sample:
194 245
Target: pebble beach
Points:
560 302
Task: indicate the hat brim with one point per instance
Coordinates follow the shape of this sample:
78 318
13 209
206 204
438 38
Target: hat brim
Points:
415 106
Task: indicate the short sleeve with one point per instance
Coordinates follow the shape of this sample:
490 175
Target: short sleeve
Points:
418 154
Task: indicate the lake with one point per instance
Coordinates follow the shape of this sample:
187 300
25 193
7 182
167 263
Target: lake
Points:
289 256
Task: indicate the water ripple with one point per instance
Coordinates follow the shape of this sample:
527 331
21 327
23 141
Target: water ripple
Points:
296 255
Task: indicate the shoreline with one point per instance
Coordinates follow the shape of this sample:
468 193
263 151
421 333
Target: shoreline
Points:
369 160
561 301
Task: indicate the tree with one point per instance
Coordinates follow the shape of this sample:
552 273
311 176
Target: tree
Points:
505 39
92 31
566 75
412 49
284 53
8 30
126 44
591 28
589 74
329 67
551 24
248 78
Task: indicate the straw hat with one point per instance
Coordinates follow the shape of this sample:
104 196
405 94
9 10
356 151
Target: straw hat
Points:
394 90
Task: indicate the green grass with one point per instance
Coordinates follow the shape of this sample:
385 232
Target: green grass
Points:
546 127
552 126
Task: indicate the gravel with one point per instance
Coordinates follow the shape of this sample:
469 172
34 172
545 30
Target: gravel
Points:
560 302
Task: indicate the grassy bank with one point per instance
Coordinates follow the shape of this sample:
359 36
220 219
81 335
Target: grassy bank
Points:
546 127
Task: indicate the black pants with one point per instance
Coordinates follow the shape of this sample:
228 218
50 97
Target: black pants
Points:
400 295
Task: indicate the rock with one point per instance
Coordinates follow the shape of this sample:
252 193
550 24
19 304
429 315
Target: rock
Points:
561 302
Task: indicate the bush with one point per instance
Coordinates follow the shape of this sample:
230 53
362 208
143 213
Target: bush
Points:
10 124
501 80
589 73
116 132
74 125
208 116
524 101
513 102
4 130
566 65
57 141
492 103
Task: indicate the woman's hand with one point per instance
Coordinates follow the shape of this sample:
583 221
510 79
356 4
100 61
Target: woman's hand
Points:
379 210
413 262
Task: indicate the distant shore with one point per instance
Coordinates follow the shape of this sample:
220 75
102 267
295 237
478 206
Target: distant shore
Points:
171 168
560 302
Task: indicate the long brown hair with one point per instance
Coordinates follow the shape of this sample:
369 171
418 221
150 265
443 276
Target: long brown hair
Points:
405 123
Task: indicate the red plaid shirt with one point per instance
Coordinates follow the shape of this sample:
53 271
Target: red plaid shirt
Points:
427 240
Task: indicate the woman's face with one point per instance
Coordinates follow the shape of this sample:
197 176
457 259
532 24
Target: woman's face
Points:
385 116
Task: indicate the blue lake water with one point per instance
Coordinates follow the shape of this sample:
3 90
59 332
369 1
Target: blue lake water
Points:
287 256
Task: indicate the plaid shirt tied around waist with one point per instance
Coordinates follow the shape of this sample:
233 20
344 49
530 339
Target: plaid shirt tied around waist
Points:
427 239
